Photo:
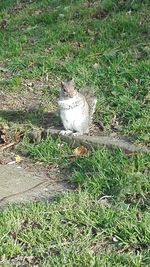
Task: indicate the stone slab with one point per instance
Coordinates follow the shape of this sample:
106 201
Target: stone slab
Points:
20 185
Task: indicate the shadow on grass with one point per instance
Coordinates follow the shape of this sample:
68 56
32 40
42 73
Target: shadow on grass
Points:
35 117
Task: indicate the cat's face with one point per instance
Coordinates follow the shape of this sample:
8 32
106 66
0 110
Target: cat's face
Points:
68 88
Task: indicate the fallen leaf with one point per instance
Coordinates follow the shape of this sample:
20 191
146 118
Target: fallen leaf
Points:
80 151
18 159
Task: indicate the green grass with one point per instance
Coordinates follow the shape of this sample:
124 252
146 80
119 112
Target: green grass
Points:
112 34
50 150
77 229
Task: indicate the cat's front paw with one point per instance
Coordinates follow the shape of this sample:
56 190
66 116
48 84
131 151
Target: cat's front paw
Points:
65 132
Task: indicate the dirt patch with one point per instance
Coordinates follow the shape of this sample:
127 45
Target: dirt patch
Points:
34 95
33 106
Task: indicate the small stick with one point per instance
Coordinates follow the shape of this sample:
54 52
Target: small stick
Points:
8 145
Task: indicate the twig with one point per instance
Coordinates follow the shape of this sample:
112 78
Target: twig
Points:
8 145
24 191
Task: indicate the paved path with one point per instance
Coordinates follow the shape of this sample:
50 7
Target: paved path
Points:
18 184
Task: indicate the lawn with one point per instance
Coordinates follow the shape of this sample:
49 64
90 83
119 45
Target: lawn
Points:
105 45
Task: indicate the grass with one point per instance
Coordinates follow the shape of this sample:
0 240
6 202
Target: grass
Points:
78 229
49 151
105 45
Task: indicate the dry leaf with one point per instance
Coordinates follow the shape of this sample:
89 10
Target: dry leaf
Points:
18 159
80 151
